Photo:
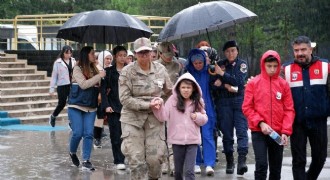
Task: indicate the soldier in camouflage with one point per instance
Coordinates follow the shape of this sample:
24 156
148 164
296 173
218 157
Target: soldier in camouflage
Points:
143 135
166 57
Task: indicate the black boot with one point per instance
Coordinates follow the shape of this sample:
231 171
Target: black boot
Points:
97 137
241 167
230 164
97 132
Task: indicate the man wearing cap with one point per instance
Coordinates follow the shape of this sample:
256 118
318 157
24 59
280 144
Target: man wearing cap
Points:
166 54
143 135
229 89
167 58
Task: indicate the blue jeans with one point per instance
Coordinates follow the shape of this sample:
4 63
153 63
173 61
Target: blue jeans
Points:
231 116
266 151
82 124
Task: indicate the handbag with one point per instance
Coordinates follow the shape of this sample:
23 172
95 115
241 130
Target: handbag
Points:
83 97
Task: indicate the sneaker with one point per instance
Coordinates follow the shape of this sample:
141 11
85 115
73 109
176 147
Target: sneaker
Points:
97 143
87 165
52 120
74 159
121 167
197 169
209 171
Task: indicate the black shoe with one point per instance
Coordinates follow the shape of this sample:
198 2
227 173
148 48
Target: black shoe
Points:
230 164
75 159
97 143
86 165
241 167
52 120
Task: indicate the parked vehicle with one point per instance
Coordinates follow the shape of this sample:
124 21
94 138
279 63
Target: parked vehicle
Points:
27 37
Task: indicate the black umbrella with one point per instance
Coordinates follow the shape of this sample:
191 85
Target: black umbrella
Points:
103 26
203 18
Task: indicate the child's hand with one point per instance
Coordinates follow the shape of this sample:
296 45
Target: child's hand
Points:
285 140
193 116
156 103
265 128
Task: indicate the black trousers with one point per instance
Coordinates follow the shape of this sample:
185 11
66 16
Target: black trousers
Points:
184 161
266 151
318 139
62 95
115 134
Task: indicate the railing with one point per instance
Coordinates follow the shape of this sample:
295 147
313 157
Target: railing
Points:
43 28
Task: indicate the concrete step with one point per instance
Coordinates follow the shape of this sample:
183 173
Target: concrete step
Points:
26 97
18 77
7 59
28 105
24 90
24 83
34 112
30 70
42 118
17 64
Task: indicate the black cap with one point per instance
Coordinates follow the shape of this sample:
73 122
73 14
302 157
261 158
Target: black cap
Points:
229 44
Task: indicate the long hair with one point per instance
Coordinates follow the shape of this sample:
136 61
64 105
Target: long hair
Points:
64 50
88 68
195 97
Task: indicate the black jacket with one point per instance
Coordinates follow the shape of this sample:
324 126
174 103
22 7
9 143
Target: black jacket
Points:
110 91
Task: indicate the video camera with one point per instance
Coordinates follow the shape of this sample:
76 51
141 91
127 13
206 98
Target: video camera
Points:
214 57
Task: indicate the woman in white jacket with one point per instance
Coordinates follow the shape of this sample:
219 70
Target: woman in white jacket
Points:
61 77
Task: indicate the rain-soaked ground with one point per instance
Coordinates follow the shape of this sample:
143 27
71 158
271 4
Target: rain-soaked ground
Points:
38 151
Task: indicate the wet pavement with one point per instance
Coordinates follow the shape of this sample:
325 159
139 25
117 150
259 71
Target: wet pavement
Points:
38 151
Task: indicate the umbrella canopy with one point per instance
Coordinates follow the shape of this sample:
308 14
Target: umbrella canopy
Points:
103 26
203 18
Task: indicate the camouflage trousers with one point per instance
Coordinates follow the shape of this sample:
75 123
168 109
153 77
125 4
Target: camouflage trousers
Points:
144 148
169 161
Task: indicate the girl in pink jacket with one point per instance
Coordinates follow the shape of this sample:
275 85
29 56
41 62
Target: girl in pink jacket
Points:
184 112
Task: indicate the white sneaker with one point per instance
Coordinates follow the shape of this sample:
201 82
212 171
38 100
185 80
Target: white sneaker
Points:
209 171
197 169
121 166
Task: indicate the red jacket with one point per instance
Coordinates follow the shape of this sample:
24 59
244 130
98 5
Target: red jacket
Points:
269 99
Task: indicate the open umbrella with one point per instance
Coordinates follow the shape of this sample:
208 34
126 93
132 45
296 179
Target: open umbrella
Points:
203 18
103 26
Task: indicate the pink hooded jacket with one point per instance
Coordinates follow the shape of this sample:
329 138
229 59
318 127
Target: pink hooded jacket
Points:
181 129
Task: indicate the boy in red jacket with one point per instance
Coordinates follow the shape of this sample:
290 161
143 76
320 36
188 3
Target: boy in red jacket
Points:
268 106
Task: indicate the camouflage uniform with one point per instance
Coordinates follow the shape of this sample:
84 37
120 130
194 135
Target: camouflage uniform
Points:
143 135
173 70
